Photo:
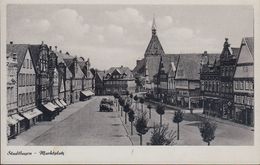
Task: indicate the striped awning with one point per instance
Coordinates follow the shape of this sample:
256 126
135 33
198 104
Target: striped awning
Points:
87 93
11 121
49 106
17 117
63 102
59 103
32 113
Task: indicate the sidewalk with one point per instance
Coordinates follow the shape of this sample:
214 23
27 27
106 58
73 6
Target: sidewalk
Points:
37 130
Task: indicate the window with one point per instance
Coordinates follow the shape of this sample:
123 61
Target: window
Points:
20 100
246 85
27 63
24 64
30 64
241 85
245 68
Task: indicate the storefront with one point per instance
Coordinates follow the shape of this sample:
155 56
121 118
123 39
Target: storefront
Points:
63 103
49 111
32 117
12 127
244 115
20 120
61 106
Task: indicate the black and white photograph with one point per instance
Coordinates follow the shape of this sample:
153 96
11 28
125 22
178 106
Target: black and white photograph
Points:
127 75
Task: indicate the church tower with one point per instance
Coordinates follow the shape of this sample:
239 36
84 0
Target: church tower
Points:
154 47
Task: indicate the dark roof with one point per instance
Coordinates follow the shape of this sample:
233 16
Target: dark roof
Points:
152 65
235 51
35 53
154 47
250 44
100 74
188 67
20 50
168 59
122 70
140 67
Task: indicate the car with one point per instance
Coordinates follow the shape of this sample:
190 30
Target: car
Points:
104 107
107 101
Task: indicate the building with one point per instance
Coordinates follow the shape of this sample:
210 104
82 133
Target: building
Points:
87 79
65 79
187 81
119 79
77 76
228 60
149 65
27 115
11 63
210 84
40 59
244 83
164 80
99 83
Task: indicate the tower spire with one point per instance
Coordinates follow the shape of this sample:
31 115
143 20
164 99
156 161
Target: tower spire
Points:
154 26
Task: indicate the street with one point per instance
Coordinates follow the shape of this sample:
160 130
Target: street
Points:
83 124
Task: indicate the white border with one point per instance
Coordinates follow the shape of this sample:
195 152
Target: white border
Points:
133 154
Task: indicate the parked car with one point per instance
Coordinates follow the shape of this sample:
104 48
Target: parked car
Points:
107 101
104 107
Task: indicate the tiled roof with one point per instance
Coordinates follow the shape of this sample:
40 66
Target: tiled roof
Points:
140 67
168 59
122 70
35 53
188 67
20 50
152 65
250 44
213 57
154 47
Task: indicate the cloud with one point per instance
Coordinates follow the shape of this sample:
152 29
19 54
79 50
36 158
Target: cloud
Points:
37 26
68 22
125 16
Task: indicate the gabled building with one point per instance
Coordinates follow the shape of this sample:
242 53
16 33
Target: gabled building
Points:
27 114
244 83
40 59
87 79
99 83
149 65
228 60
187 81
11 105
65 82
77 75
210 84
119 79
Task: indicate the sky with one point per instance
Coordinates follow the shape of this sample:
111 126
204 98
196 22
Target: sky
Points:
115 35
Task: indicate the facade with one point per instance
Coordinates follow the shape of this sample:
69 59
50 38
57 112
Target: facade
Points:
187 81
119 79
228 60
87 79
11 63
41 59
99 83
244 83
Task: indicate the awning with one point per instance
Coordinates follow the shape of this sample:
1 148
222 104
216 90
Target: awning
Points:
87 93
11 121
54 106
49 106
58 103
63 103
17 117
32 113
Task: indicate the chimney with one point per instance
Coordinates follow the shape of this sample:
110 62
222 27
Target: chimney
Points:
56 48
60 51
50 47
11 42
67 53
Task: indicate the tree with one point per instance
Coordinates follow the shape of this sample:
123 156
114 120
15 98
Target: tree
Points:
116 96
149 107
161 135
207 131
160 109
131 96
140 81
131 118
121 103
136 99
177 118
141 125
142 103
126 110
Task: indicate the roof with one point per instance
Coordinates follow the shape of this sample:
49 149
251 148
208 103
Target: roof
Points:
213 57
188 67
154 47
20 50
169 60
152 66
140 67
122 70
235 51
35 53
250 43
